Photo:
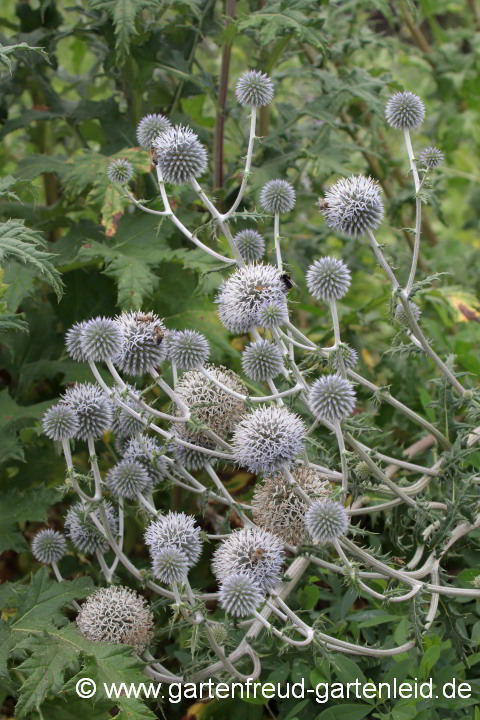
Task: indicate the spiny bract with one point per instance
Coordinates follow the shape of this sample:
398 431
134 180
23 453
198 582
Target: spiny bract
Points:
431 157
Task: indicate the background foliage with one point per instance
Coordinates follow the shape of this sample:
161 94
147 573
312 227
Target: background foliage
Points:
75 79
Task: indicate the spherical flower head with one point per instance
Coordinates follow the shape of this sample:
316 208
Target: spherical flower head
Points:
401 316
254 88
190 458
239 596
328 279
170 565
277 196
149 128
181 156
362 471
120 171
188 349
242 295
272 314
268 438
262 360
353 205
60 422
253 551
404 111
332 398
178 530
82 531
278 508
149 453
92 408
117 615
101 338
349 355
431 157
143 345
73 342
326 521
128 478
48 546
124 425
250 244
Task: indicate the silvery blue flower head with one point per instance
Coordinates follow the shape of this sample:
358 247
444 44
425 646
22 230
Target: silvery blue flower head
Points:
73 341
328 279
188 349
349 355
190 458
272 314
124 424
326 521
120 171
92 408
277 196
250 244
149 128
353 205
239 596
253 551
431 157
401 316
242 295
101 338
268 438
170 565
181 156
148 452
48 546
60 422
143 345
175 529
332 398
404 111
83 532
262 360
254 88
128 478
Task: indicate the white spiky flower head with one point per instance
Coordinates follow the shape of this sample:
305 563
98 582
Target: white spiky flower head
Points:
191 458
332 398
48 546
262 360
349 355
326 521
242 295
401 316
175 529
148 452
101 339
277 196
254 88
328 279
272 314
431 157
170 565
238 595
353 205
150 127
253 551
128 478
117 615
125 424
250 244
92 408
120 171
404 111
188 349
180 154
83 532
73 342
143 345
268 438
278 508
60 422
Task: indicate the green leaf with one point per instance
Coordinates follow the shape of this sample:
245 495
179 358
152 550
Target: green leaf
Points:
13 416
124 14
18 508
345 712
7 50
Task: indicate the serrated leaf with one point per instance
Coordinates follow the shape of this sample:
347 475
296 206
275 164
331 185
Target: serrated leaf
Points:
7 50
124 14
15 508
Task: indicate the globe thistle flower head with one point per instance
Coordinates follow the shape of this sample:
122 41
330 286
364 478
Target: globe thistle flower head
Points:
362 471
178 530
254 88
124 425
100 339
149 453
149 128
262 360
276 506
82 531
277 196
349 355
92 408
242 295
332 398
60 422
191 458
239 596
401 316
328 279
117 615
404 111
180 155
170 565
188 349
128 478
120 171
73 342
326 521
272 314
143 345
353 205
250 244
48 546
253 551
431 157
268 438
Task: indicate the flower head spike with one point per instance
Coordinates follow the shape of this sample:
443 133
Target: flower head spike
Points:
143 345
83 532
254 88
188 349
272 314
253 551
149 128
190 458
101 338
60 422
251 245
404 111
262 360
127 478
124 425
353 205
239 596
170 565
277 196
175 530
332 398
362 471
117 615
350 358
120 171
149 453
48 546
326 520
180 155
431 157
73 341
92 408
328 279
401 316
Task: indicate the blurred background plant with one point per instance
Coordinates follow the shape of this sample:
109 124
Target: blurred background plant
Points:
71 248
